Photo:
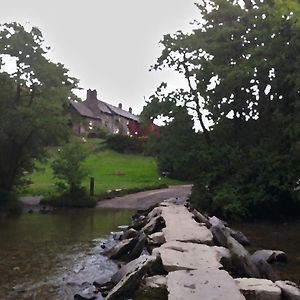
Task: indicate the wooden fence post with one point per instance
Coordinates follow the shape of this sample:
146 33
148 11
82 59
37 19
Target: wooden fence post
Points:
92 185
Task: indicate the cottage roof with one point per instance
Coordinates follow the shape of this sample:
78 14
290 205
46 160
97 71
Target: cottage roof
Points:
92 108
123 113
83 110
103 107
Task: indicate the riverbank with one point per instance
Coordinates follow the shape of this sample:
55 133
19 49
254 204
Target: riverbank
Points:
134 201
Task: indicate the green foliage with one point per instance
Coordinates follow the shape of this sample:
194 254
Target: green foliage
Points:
98 132
33 97
176 145
124 144
241 68
78 198
68 167
110 169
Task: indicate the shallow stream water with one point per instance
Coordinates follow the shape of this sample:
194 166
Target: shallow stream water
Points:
52 256
47 256
279 236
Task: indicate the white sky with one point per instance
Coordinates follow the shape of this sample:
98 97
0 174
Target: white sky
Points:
108 45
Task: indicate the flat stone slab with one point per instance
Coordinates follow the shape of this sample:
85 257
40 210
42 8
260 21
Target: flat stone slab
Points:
188 256
202 284
180 226
289 290
258 289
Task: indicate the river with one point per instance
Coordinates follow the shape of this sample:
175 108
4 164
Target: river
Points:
49 256
46 256
279 236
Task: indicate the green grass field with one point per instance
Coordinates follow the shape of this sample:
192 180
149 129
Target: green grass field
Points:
111 171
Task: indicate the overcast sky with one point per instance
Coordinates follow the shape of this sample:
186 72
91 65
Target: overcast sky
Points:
108 45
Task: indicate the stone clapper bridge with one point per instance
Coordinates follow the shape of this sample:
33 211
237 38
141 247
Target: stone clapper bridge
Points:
182 247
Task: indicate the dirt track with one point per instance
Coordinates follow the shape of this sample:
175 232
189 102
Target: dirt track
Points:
143 200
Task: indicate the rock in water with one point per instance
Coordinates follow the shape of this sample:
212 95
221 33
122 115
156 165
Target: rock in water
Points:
214 221
120 249
265 270
157 238
289 290
129 277
201 218
220 234
136 251
156 282
139 223
240 237
241 259
258 289
270 256
156 224
90 293
129 234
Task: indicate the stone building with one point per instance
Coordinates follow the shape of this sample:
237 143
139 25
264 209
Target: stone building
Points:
93 113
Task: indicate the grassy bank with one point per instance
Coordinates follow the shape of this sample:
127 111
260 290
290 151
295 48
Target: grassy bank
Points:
111 171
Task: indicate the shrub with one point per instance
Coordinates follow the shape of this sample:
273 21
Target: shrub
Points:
98 132
124 144
245 183
79 198
68 168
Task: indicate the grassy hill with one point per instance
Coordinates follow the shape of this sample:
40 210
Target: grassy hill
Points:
110 169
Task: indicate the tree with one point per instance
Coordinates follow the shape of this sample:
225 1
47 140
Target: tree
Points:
239 71
68 167
176 145
33 97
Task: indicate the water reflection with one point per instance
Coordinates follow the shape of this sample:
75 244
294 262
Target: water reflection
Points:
36 247
285 237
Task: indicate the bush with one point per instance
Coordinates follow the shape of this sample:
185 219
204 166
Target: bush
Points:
239 183
98 132
68 168
66 199
124 144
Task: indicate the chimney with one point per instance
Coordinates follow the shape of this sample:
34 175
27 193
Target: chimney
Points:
120 105
130 110
88 94
91 94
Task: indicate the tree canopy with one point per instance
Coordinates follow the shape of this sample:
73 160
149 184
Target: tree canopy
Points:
33 97
241 66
